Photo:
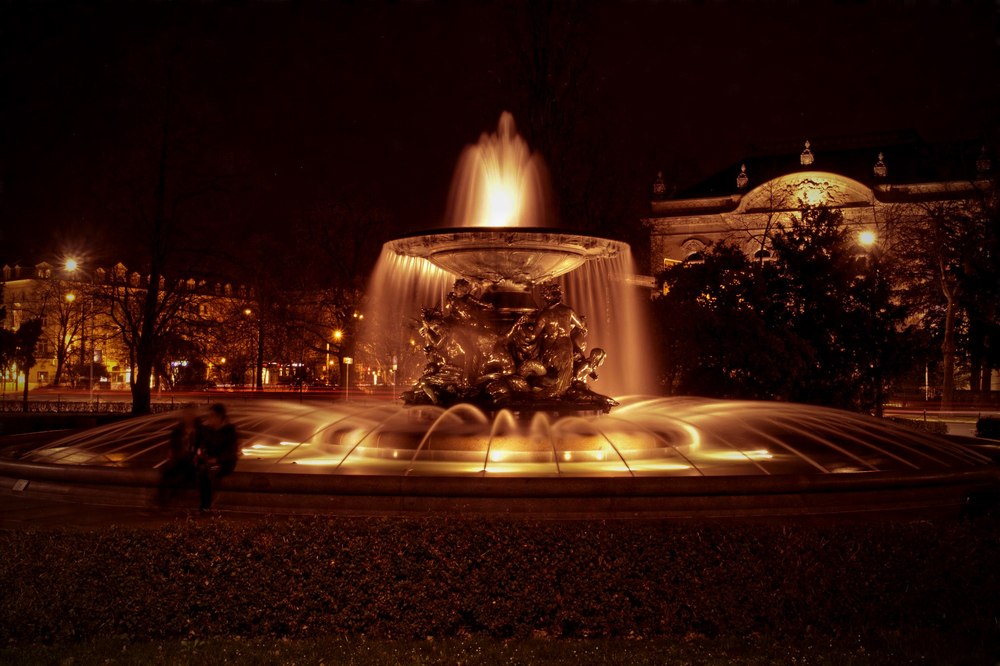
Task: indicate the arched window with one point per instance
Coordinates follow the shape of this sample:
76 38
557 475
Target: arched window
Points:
695 258
694 251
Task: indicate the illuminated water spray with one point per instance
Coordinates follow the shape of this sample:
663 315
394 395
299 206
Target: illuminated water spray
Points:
499 182
498 206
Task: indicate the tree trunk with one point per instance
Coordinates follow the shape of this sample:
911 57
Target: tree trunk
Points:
948 354
975 375
146 344
24 405
60 364
143 375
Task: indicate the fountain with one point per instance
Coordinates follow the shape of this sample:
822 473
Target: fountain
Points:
504 416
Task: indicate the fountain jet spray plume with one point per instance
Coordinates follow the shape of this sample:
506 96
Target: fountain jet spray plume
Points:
499 182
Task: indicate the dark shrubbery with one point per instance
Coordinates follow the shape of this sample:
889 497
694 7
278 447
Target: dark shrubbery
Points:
988 426
935 427
401 579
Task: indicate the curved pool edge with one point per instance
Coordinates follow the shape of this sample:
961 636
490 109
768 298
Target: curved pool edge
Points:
914 495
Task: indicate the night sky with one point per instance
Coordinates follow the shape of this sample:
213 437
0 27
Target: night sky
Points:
281 113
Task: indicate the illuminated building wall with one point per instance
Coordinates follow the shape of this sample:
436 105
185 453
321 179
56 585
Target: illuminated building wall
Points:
871 185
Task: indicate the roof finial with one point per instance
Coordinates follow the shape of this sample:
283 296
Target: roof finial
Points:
659 186
742 179
983 163
806 157
880 169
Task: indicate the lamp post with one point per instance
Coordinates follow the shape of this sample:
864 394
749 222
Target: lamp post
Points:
338 337
347 377
73 267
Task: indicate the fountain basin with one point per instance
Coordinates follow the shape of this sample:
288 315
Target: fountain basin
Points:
662 458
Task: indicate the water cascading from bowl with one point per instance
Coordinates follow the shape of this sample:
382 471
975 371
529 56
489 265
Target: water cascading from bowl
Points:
413 296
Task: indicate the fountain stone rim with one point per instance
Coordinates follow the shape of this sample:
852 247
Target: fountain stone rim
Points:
523 255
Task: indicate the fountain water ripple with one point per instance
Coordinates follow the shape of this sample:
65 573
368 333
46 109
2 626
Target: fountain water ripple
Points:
644 437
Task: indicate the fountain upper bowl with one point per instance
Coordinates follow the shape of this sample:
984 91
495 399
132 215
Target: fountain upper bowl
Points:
522 255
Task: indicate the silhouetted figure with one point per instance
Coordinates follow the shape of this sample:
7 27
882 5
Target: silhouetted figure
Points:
185 441
218 454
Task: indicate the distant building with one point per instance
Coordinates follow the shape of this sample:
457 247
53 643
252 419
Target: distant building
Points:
864 177
875 181
78 323
215 332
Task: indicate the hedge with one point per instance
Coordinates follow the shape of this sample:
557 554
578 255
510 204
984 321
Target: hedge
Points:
405 579
988 426
933 427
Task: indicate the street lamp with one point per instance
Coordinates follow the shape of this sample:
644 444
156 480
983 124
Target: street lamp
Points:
338 336
72 266
866 238
347 377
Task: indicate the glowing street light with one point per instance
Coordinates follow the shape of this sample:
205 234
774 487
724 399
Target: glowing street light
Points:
866 238
71 265
338 335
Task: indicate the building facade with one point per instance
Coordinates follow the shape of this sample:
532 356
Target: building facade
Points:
211 332
873 181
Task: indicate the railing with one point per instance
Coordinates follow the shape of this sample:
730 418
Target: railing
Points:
59 406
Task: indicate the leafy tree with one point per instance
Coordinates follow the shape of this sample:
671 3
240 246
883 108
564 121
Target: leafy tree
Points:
17 347
840 303
718 340
25 339
6 343
818 324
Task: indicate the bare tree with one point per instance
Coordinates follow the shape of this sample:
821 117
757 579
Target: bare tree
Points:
771 209
948 257
62 306
148 312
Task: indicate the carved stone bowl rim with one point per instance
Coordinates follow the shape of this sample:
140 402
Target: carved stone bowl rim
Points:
435 243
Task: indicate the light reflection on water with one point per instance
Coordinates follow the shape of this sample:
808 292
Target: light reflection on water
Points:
643 437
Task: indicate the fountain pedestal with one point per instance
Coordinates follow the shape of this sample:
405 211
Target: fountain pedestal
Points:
491 344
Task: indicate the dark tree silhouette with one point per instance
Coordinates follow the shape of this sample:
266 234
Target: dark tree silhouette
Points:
24 340
816 325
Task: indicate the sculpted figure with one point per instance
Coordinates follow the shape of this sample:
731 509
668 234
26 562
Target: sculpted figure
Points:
464 308
439 337
585 367
470 325
557 326
541 360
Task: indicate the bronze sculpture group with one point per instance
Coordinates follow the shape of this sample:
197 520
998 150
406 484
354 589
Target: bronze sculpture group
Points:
475 355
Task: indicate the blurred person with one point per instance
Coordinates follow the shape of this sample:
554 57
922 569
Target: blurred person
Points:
180 468
216 458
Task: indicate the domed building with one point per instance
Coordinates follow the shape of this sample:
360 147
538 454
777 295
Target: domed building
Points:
873 180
